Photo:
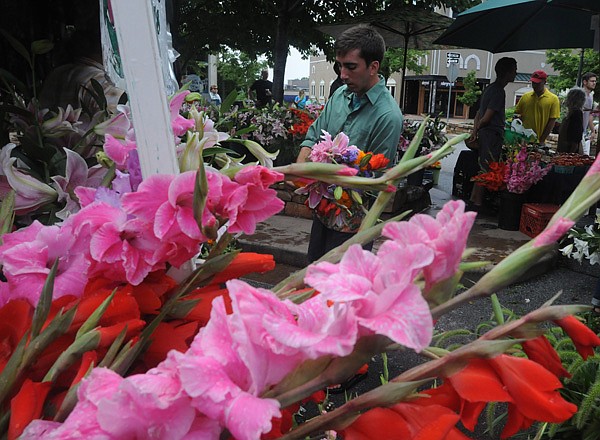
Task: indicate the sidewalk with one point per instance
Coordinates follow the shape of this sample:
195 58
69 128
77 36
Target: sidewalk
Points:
286 238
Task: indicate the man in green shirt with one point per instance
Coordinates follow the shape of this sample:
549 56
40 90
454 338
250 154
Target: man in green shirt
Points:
362 108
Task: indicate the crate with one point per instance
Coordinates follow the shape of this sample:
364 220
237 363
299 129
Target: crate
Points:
535 217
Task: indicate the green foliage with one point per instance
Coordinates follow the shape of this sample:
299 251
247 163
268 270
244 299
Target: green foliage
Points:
239 70
566 63
394 59
472 91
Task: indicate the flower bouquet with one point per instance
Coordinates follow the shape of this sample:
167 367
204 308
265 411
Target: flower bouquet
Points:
340 208
516 174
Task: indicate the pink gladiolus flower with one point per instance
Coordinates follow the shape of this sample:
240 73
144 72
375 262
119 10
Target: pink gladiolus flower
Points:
118 150
179 123
380 292
253 201
446 235
551 234
27 256
347 171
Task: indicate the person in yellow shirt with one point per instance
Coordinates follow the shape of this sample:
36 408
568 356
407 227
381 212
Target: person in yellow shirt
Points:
539 109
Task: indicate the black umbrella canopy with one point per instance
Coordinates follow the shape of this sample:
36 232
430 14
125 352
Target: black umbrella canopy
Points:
512 25
407 27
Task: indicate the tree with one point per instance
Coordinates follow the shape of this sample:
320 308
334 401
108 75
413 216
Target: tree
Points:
566 63
238 69
270 27
472 90
394 58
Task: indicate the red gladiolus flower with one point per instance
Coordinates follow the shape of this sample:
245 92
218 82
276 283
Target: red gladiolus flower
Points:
15 320
533 389
584 339
173 335
529 388
26 406
541 351
406 421
201 312
109 334
245 263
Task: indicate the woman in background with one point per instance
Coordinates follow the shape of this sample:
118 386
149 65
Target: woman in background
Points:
300 100
571 128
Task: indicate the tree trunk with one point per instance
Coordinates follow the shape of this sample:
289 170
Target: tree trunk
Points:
280 51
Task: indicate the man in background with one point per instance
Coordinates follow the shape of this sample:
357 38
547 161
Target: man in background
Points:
488 127
539 109
261 90
362 108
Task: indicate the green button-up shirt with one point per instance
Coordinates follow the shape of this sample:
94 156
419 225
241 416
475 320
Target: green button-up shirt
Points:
374 126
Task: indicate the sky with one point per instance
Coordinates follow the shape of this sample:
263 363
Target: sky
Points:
295 67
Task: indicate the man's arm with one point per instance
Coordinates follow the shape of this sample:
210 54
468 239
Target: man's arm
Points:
547 130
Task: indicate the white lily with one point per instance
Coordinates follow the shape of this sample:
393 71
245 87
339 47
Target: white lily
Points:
31 194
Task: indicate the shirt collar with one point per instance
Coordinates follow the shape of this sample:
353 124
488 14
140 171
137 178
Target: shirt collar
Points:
372 94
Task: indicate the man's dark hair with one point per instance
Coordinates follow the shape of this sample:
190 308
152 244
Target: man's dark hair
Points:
504 65
362 37
586 76
336 69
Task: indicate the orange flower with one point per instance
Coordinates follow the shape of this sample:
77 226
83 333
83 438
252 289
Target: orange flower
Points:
378 161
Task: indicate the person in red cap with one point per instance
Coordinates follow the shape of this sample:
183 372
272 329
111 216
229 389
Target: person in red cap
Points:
539 109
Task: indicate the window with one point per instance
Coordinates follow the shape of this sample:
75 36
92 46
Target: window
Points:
322 90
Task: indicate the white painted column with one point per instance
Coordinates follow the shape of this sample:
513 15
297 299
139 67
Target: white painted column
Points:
212 70
140 56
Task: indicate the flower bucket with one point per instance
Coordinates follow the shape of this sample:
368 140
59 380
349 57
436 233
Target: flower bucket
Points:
416 178
509 217
436 176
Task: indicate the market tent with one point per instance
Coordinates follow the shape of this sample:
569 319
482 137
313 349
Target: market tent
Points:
513 25
407 27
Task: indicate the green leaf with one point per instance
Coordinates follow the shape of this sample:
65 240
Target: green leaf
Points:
217 150
17 46
72 354
242 131
114 349
99 96
365 160
40 47
228 101
12 369
43 306
9 79
182 308
356 196
338 192
7 213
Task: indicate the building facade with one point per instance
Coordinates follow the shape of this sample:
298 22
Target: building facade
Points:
428 93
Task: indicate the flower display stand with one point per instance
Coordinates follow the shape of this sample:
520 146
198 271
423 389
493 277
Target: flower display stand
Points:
509 216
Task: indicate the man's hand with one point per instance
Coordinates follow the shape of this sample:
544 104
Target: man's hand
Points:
303 155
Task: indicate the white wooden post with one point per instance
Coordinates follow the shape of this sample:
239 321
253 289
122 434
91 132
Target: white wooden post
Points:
140 57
